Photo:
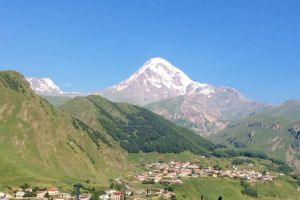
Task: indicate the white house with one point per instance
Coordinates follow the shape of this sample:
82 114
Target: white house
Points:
2 195
82 197
65 195
53 192
20 195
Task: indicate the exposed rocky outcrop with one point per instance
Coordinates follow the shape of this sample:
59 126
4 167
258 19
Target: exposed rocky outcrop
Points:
295 132
251 136
236 143
254 124
276 126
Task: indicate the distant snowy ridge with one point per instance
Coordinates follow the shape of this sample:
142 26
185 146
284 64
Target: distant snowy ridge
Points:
45 86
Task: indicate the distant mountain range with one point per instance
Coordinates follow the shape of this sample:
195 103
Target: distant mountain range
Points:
167 91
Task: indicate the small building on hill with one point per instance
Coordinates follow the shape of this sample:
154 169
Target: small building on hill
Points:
2 195
40 194
117 196
20 195
65 195
53 192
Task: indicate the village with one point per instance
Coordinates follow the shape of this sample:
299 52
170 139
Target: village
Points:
165 174
173 172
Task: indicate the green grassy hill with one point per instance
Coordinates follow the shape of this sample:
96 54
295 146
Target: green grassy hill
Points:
41 144
275 132
231 189
135 128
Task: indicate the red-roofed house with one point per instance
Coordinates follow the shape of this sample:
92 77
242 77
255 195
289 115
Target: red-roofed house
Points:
117 196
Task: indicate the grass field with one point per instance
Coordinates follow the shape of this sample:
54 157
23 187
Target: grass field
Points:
230 189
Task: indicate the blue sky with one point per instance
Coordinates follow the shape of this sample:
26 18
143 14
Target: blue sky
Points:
253 46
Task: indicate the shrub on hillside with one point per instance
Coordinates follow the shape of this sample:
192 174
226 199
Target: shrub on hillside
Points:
248 190
240 161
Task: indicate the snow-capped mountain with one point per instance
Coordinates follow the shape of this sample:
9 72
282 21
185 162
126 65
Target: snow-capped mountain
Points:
157 79
44 86
159 73
167 91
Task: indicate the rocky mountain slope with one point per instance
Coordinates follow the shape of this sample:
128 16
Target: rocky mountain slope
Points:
206 115
135 128
40 143
275 132
166 90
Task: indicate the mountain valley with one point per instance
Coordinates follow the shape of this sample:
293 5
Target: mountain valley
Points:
98 142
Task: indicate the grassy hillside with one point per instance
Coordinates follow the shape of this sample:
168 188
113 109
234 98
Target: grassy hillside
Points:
230 189
273 132
57 100
40 144
135 128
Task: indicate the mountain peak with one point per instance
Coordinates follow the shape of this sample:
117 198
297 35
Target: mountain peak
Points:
159 73
155 80
157 61
165 69
44 86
